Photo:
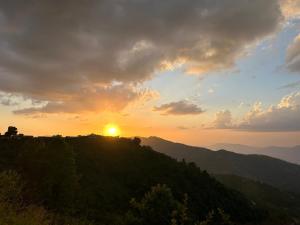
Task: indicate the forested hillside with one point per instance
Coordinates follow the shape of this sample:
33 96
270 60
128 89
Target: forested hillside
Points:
281 205
278 173
102 180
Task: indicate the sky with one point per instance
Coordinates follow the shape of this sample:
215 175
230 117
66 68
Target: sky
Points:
198 72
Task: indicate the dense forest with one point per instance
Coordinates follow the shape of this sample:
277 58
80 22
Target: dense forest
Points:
104 180
282 205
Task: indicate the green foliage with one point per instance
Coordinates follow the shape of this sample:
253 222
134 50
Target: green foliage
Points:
156 207
13 210
27 216
282 206
180 216
218 217
93 178
10 187
50 168
159 207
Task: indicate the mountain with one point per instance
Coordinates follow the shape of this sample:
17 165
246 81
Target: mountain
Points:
278 173
95 178
281 205
290 154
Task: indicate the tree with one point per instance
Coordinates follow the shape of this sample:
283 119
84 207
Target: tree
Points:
10 187
136 140
218 217
180 216
11 131
15 211
156 207
50 167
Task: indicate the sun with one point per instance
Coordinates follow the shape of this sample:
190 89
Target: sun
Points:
111 130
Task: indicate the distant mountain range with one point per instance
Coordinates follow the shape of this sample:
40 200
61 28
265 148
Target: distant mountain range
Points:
290 154
278 173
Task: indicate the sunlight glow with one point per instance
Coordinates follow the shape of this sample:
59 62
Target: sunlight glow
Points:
111 130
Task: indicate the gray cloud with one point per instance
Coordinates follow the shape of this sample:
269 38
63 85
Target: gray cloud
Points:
223 120
295 84
282 117
101 99
293 55
179 108
8 99
49 50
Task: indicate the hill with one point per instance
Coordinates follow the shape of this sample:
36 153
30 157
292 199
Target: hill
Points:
289 154
281 205
94 178
278 173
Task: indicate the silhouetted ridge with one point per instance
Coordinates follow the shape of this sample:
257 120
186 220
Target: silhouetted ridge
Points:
95 177
278 173
289 154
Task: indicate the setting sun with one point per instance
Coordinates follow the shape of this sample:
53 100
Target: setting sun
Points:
111 130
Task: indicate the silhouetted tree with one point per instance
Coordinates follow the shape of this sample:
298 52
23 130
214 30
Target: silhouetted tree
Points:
136 140
11 131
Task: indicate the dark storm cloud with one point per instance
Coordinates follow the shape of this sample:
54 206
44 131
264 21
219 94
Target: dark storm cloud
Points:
49 49
179 108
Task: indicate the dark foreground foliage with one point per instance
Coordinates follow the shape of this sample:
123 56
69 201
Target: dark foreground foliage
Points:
283 207
102 180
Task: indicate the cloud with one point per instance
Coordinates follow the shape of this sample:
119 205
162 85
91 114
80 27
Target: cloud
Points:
12 100
50 50
295 84
211 91
9 99
113 98
293 55
223 120
183 128
282 117
290 8
179 108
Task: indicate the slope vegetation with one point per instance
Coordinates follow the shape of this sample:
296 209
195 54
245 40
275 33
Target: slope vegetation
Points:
278 173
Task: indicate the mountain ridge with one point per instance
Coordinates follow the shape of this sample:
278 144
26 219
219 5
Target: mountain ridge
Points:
289 154
96 177
276 172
